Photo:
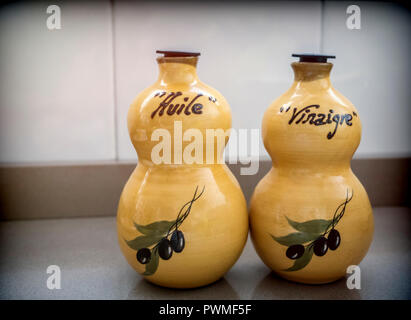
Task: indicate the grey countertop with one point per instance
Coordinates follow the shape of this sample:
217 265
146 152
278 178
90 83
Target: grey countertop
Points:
92 266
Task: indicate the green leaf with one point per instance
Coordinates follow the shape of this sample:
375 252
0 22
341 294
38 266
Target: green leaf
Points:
152 266
312 226
158 227
295 238
144 241
302 261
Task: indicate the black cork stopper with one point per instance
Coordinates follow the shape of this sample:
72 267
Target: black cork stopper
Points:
178 53
306 57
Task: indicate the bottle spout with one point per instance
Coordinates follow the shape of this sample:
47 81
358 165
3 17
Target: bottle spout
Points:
177 67
312 70
307 57
177 54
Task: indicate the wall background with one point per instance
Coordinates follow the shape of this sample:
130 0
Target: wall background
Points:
64 94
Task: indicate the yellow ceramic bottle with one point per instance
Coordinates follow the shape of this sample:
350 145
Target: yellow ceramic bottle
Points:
182 219
310 217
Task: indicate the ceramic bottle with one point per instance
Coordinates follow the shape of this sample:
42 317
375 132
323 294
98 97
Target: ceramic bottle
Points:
310 217
182 219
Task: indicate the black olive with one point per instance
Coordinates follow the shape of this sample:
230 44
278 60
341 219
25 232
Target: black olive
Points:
320 246
295 251
334 239
164 249
177 241
143 255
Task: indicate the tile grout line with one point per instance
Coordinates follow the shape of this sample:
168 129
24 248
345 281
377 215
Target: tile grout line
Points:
322 27
113 72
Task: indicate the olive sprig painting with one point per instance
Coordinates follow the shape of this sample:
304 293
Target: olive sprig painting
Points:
313 237
163 237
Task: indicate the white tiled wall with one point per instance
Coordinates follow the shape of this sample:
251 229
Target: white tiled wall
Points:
372 69
56 86
64 94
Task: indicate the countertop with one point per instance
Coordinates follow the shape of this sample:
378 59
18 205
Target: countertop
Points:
92 266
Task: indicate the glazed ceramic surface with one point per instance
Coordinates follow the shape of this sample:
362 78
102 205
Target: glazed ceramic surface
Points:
198 208
310 217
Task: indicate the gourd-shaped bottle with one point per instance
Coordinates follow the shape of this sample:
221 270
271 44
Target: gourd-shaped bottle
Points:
182 218
310 217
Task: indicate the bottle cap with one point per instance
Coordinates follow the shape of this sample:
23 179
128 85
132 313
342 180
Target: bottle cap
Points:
178 53
307 57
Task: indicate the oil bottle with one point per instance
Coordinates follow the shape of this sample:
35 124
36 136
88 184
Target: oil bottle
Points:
310 217
182 218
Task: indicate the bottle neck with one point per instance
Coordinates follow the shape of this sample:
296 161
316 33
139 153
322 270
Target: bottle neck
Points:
312 75
177 70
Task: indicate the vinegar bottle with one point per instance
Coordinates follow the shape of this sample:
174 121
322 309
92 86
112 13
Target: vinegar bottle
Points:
182 218
310 217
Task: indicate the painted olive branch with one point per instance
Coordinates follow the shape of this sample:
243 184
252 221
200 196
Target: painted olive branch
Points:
336 217
314 237
180 218
163 237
